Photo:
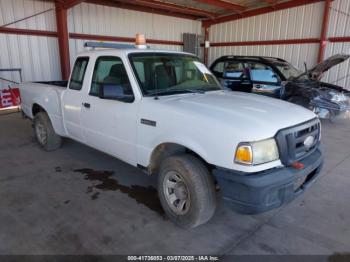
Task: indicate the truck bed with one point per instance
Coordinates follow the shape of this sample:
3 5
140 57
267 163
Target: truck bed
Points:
44 94
55 83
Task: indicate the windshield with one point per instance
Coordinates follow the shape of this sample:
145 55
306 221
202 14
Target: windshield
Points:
288 71
164 74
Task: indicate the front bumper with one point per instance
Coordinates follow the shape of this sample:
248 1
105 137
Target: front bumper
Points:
259 192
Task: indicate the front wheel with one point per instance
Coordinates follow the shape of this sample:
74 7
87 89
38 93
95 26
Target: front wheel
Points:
45 134
186 191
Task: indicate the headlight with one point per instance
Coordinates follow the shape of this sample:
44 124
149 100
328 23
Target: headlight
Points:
338 97
256 153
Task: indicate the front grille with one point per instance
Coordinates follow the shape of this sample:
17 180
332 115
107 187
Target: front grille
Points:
291 141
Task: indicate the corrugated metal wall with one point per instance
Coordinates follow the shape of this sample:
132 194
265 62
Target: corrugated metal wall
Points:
295 23
100 20
338 27
37 56
298 22
77 45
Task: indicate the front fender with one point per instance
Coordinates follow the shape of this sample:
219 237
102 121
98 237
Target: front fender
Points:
181 141
145 150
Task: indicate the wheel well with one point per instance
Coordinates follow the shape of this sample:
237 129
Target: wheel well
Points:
165 150
36 109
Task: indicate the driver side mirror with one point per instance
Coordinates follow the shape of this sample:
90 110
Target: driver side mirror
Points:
114 92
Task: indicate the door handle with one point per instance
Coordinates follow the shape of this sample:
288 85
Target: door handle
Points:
258 86
87 105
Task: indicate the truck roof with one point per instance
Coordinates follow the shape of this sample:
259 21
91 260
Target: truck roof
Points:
248 57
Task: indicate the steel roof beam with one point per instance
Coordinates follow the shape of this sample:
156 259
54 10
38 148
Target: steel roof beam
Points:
66 4
223 4
271 2
131 6
173 7
260 11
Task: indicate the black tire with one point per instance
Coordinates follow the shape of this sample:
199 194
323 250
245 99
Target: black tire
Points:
52 141
200 187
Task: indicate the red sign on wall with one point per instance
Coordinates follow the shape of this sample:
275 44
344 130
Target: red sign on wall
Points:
9 97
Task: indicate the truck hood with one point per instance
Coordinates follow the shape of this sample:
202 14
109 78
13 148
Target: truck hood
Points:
317 71
250 113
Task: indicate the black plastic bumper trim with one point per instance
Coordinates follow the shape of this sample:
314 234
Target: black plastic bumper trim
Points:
262 191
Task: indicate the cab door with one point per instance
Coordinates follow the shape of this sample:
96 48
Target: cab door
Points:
232 75
264 80
236 77
110 124
72 100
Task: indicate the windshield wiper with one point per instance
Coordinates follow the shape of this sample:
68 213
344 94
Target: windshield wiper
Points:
206 88
175 90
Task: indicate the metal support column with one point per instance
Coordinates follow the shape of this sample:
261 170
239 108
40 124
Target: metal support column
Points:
206 38
63 40
324 30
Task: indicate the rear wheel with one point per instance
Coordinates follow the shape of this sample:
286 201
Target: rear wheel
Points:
45 134
186 191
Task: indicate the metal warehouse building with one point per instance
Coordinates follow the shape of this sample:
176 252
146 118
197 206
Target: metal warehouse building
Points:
298 31
175 130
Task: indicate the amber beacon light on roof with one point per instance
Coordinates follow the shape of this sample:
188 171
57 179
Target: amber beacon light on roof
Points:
140 43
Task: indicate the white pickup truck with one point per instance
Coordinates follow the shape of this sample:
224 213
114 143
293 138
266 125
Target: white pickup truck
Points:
164 112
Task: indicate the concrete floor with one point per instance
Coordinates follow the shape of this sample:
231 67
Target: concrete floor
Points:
59 203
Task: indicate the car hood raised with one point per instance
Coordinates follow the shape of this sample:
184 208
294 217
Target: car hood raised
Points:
317 71
248 112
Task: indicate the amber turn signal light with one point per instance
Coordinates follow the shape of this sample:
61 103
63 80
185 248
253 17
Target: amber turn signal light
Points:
244 154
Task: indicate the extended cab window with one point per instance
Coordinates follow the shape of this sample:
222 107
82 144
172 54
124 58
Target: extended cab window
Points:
262 73
77 78
110 70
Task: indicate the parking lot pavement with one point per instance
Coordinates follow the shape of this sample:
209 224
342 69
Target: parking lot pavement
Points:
80 201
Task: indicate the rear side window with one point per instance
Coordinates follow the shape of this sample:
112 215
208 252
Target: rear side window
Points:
77 78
